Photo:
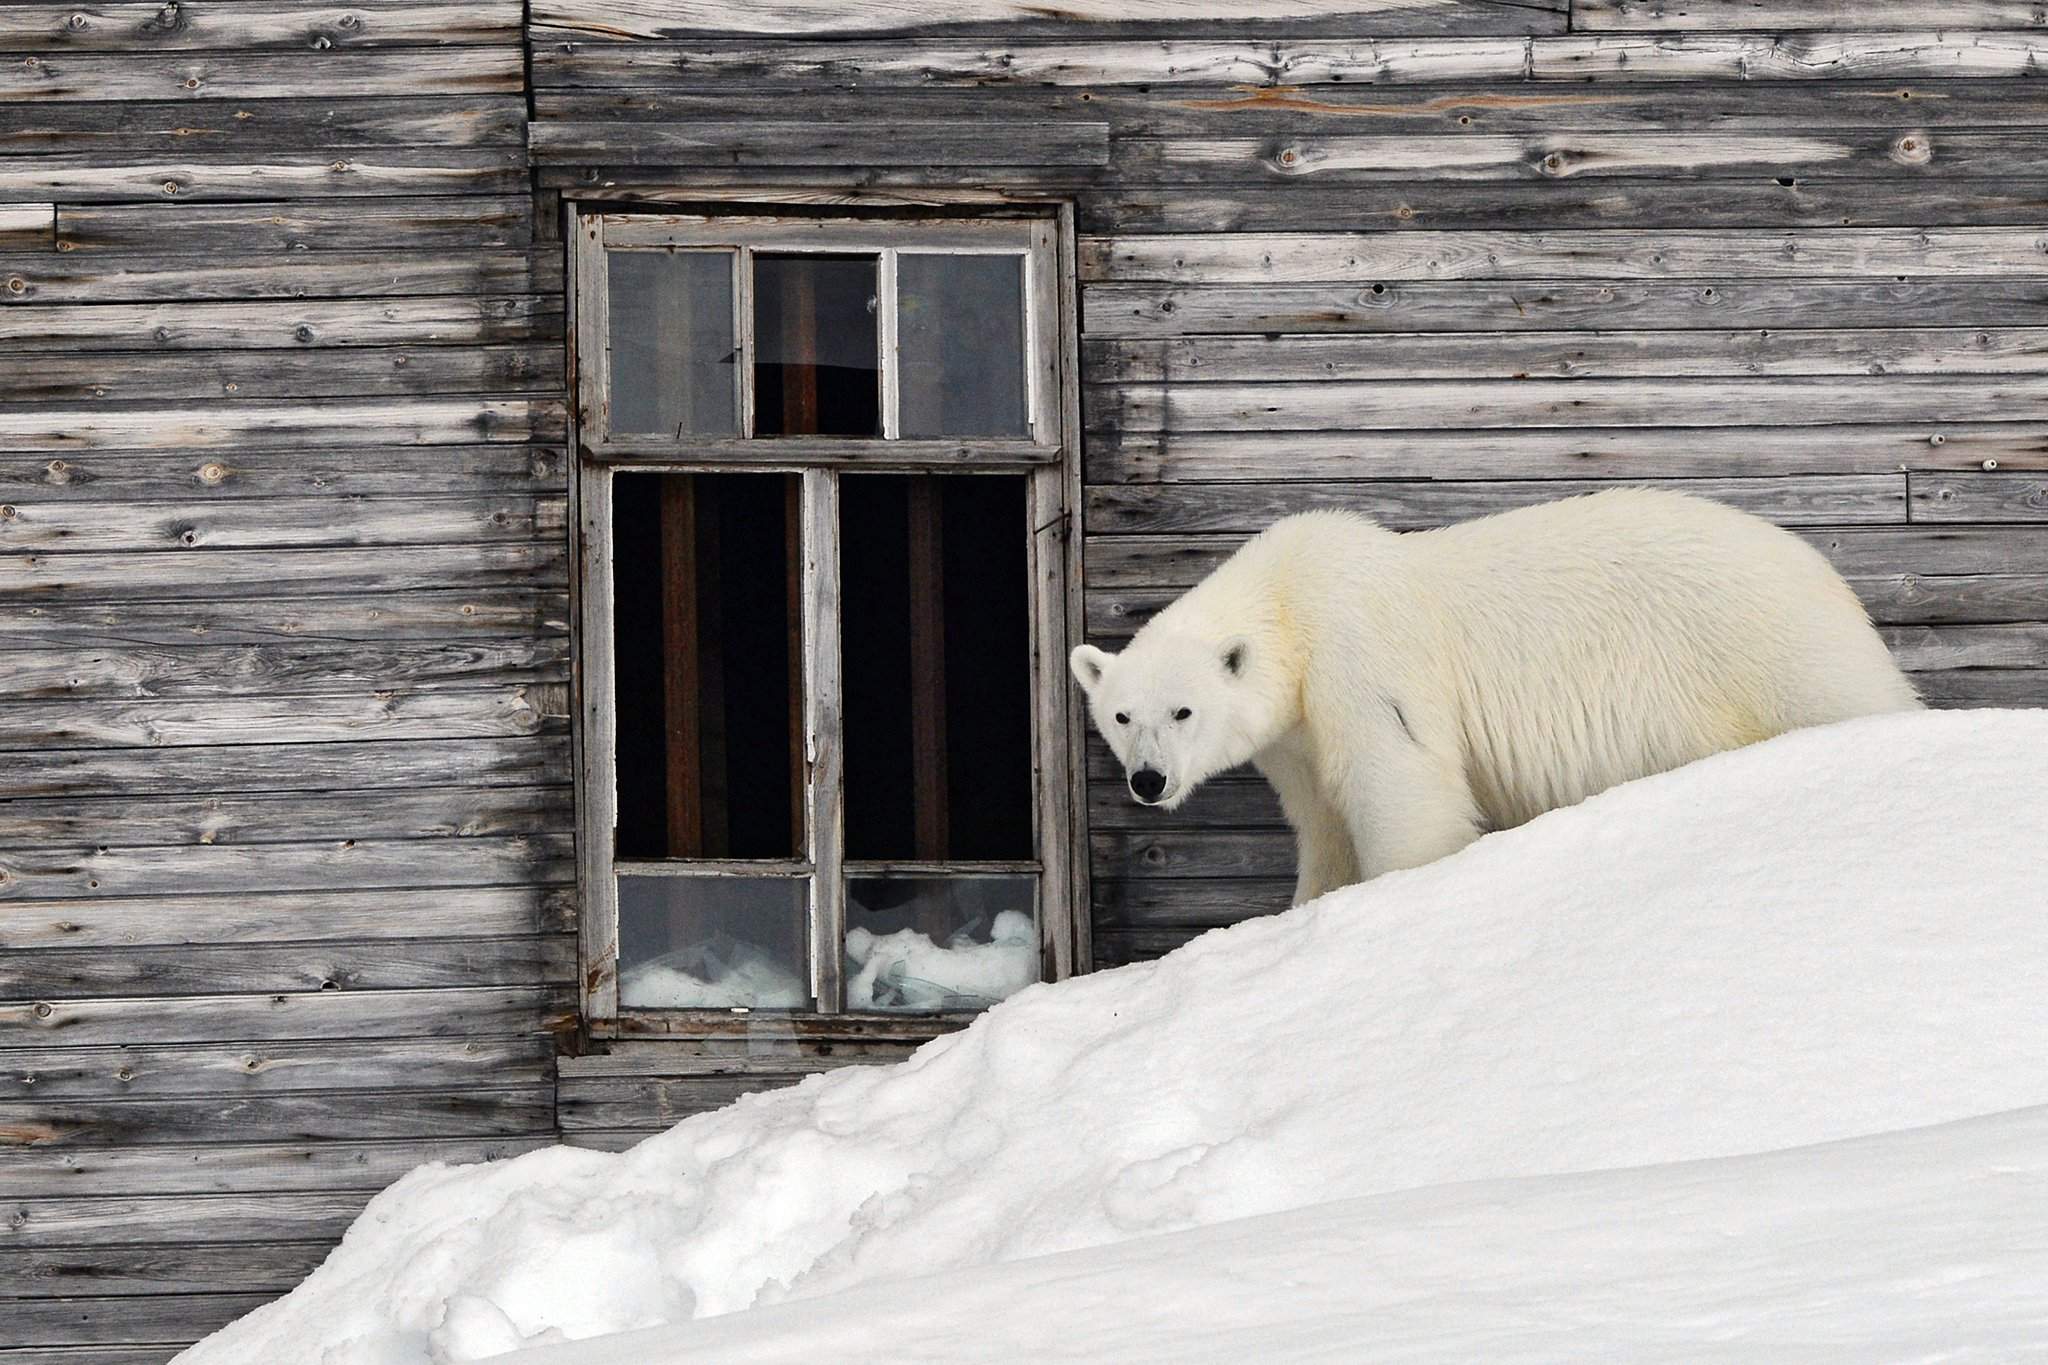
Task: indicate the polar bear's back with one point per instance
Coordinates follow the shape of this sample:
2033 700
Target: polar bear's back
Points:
1582 643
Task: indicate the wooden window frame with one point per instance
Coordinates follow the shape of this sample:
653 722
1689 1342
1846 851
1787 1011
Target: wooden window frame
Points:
1048 458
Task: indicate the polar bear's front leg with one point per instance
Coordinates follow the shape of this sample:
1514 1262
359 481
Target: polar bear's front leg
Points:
1405 806
1323 856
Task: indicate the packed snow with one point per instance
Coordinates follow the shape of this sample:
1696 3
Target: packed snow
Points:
907 971
720 973
1836 934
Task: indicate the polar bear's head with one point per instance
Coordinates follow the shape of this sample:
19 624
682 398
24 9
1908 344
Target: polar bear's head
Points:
1176 708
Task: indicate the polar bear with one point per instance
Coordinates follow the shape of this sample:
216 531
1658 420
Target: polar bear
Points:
1406 693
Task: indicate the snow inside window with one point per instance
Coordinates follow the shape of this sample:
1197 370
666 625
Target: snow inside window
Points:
939 942
712 943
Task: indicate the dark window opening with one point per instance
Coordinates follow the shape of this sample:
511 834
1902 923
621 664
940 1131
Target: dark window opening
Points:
706 610
817 352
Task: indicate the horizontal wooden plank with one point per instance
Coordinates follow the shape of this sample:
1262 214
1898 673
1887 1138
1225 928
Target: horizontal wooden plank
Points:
1889 55
296 917
95 177
309 74
419 615
287 323
179 127
387 471
615 19
178 376
190 1219
79 1073
1752 201
163 722
304 1116
253 25
176 575
1778 16
28 227
431 813
1998 495
175 1319
631 1061
1215 805
420 223
1186 907
1974 687
1116 947
307 670
178 1268
93 871
88 1355
232 1167
1570 355
1296 258
856 143
409 421
1176 508
521 761
466 1012
657 1101
1217 854
62 526
1424 404
1936 649
28 279
1164 310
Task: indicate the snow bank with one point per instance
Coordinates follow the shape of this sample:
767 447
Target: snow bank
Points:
907 971
1837 933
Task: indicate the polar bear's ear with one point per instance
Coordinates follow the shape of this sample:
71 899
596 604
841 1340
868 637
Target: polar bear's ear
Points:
1236 654
1088 662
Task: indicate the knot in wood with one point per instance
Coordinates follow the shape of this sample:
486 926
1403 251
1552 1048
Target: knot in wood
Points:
349 21
338 167
43 1010
1937 439
57 472
321 42
171 187
78 23
1913 149
1990 465
212 472
192 82
16 285
6 514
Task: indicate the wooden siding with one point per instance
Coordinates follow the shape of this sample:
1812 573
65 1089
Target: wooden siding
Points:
1435 262
286 876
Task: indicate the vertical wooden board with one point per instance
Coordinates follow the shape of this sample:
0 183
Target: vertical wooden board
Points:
823 722
1060 508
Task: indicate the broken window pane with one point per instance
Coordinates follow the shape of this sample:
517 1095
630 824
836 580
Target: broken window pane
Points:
817 356
937 706
713 942
673 361
706 611
939 942
960 345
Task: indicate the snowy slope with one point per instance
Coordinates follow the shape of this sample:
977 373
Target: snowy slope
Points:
1906 1246
1841 932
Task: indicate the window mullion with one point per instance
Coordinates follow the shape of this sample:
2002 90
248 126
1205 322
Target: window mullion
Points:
886 342
825 791
743 333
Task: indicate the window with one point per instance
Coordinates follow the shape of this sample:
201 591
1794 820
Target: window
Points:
827 746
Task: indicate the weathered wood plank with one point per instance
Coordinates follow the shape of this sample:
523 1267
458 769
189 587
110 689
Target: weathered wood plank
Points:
175 1319
304 1116
179 576
1427 404
412 616
1218 854
1176 508
2000 495
80 1073
1969 687
29 279
63 526
465 1012
520 762
313 74
1915 153
1123 946
232 1167
658 1101
290 324
1877 55
302 670
179 127
119 476
297 917
1186 906
180 1268
27 726
28 227
1570 355
1939 649
1161 310
853 143
253 25
639 19
1296 258
1779 16
96 177
179 376
1753 201
631 1061
92 871
418 223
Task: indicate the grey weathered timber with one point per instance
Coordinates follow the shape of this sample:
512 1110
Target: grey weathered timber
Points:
95 871
299 916
32 1074
176 575
278 323
231 1167
455 1012
88 179
283 669
1992 495
207 76
27 279
1777 16
859 142
253 25
166 1319
412 222
56 1125
28 227
178 376
174 126
254 1265
521 761
65 526
416 615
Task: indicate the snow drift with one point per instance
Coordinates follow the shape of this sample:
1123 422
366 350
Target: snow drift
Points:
1837 933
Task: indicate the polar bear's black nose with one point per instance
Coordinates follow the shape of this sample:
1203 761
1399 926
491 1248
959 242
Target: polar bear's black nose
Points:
1147 783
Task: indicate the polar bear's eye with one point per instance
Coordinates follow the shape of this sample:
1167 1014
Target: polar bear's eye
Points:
1182 714
1122 719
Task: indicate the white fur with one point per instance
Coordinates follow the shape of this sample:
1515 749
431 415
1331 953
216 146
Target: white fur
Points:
1406 693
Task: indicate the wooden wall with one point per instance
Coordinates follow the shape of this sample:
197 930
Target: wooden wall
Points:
285 886
1435 260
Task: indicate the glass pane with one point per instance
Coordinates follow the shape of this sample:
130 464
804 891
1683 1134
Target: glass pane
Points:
713 942
937 701
939 942
817 357
672 355
706 604
960 345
